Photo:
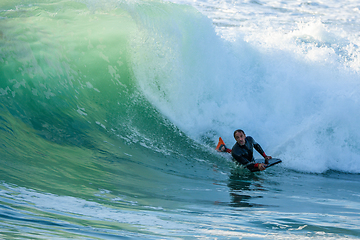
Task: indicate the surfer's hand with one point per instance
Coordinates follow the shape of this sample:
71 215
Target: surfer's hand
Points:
221 149
267 159
261 167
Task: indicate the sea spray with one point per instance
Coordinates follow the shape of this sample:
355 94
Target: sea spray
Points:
287 90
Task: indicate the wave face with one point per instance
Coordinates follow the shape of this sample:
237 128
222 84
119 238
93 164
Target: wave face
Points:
71 105
110 110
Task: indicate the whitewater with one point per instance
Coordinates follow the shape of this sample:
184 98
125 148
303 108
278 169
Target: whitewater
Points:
110 112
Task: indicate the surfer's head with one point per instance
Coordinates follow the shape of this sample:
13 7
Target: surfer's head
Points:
240 136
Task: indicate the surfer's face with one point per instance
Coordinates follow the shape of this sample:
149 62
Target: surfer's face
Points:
240 138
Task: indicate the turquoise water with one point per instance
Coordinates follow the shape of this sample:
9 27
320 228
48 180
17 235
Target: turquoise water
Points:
110 112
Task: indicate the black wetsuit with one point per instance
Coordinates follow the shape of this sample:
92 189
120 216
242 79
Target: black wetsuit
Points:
244 154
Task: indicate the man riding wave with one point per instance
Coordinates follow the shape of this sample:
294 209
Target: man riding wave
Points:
242 151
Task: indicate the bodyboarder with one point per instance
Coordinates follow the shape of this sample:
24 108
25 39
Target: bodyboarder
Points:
242 151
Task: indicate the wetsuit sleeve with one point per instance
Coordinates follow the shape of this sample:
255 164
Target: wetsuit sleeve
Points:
258 148
253 167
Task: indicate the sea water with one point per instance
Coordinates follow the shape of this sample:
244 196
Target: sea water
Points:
110 112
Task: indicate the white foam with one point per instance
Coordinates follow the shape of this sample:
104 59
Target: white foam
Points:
294 89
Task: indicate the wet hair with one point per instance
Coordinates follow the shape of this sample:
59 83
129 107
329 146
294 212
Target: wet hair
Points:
238 130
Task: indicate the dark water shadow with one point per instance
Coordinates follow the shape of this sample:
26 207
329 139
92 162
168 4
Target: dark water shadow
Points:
243 185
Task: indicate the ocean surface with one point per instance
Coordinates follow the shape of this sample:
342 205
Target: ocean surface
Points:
110 111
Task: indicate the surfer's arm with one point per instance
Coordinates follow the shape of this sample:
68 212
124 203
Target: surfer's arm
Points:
223 148
255 167
261 151
251 165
